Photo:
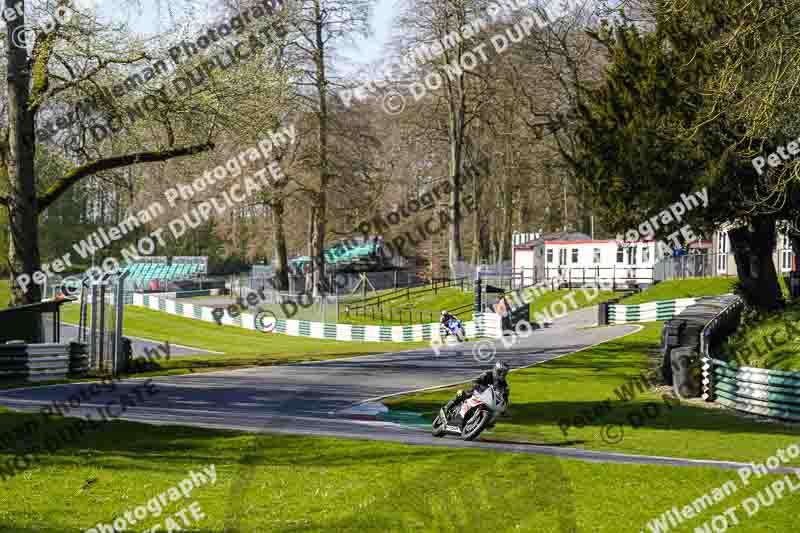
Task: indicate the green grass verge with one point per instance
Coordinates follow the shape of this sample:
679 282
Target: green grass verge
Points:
773 341
683 288
239 346
576 385
283 484
581 298
5 294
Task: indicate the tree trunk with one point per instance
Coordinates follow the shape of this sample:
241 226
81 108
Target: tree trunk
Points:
455 253
318 239
19 159
524 212
477 245
752 251
279 246
311 265
508 222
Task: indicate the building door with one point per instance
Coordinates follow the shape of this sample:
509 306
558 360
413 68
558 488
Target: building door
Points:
722 253
786 254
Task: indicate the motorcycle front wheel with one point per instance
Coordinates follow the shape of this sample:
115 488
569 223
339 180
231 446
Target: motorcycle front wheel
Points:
439 427
475 425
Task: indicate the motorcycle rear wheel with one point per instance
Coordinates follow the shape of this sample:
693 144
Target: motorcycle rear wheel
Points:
439 427
475 425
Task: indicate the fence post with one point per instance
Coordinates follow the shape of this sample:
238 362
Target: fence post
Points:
478 295
614 278
602 318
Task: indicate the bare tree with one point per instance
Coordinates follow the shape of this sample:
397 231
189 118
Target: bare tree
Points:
316 28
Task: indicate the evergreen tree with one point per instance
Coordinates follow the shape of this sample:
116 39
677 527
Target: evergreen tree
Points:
651 133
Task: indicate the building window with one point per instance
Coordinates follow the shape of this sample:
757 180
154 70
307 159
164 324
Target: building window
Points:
620 254
632 255
574 255
597 256
550 256
646 254
562 256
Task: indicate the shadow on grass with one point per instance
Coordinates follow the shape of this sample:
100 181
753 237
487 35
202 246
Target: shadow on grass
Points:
122 445
650 412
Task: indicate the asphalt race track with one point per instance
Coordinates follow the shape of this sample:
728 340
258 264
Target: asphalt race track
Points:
322 398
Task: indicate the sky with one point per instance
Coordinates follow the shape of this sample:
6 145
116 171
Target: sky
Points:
369 50
148 17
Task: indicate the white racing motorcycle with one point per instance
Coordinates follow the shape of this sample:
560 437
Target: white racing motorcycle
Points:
469 418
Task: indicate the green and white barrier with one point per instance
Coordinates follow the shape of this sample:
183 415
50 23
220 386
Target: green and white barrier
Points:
770 393
483 325
649 312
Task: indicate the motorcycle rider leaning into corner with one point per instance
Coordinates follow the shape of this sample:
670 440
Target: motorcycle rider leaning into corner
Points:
495 376
446 317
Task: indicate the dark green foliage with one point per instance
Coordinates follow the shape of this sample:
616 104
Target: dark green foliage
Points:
651 132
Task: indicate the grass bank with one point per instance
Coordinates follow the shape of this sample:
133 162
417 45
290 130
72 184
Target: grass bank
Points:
772 341
239 347
285 484
5 294
544 303
683 288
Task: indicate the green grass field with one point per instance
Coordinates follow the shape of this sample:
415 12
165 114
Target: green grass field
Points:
574 386
239 346
683 288
287 484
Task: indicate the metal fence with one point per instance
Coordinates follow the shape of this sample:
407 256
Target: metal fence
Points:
693 266
100 321
614 277
336 283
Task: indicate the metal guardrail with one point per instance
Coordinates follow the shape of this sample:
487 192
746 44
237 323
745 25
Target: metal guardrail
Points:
769 393
714 324
43 362
374 306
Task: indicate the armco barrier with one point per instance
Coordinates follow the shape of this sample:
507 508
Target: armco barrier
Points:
770 393
649 312
483 325
42 362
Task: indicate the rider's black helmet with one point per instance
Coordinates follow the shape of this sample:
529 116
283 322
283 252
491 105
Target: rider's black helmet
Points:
500 371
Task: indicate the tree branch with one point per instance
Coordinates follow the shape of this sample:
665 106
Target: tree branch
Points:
72 177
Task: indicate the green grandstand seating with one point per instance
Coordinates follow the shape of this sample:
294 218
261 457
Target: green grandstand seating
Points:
143 273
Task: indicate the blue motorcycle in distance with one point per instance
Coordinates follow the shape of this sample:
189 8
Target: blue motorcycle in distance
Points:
456 328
